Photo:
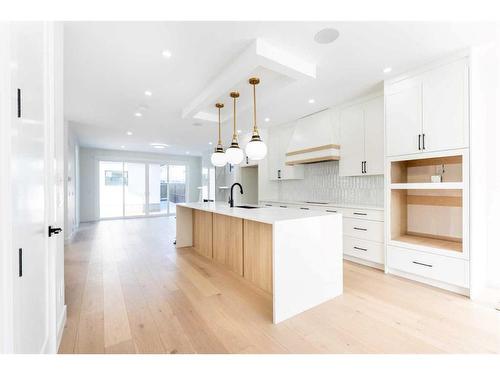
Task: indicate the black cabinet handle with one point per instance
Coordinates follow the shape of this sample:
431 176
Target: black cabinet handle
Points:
419 136
423 141
360 213
268 205
19 103
364 166
283 206
422 264
304 208
359 248
247 159
331 211
363 229
20 262
54 231
279 173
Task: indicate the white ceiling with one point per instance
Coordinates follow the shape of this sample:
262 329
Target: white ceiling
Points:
109 65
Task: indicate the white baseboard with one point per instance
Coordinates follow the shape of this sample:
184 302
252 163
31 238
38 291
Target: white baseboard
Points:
61 322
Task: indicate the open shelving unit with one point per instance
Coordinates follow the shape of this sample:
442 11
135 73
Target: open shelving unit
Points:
427 215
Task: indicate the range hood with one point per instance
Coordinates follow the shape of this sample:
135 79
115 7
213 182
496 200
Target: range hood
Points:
315 139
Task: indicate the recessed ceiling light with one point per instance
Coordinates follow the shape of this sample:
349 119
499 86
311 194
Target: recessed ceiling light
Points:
326 36
122 146
166 54
159 145
129 133
311 101
387 70
148 93
267 119
138 114
210 143
187 152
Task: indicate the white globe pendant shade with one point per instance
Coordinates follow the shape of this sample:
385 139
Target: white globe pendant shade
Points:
256 149
218 158
234 155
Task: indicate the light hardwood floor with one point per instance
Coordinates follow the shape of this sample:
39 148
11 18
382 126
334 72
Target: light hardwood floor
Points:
128 290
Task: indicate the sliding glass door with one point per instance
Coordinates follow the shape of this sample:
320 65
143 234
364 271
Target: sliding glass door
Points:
123 187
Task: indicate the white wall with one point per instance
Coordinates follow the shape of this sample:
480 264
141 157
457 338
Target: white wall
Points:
89 158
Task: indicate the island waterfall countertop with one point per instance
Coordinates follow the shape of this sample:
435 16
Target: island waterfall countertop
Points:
261 214
293 255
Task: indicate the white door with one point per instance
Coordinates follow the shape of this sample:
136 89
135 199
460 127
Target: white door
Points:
403 117
352 149
29 142
445 107
374 136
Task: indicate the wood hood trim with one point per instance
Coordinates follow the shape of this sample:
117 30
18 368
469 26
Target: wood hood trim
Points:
312 149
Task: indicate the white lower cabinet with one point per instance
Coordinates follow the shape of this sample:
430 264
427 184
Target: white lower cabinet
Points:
363 249
454 271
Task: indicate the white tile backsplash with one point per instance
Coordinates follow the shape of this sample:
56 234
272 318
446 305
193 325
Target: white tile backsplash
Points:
322 183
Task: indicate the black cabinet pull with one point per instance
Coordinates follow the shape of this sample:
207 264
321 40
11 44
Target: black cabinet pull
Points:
331 211
18 103
363 229
268 205
422 264
279 173
419 136
359 248
423 141
304 208
283 206
360 213
20 262
364 163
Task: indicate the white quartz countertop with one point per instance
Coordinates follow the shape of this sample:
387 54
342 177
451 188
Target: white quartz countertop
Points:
268 215
323 204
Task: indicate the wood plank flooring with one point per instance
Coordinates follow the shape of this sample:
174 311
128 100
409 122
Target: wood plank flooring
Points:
128 290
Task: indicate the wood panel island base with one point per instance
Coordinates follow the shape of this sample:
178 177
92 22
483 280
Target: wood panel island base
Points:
296 256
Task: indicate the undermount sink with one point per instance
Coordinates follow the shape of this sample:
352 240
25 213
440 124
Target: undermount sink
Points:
245 206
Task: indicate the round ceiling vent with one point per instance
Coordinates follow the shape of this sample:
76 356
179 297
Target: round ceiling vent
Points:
326 36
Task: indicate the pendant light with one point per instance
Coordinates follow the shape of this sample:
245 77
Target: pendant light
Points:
219 157
255 149
234 153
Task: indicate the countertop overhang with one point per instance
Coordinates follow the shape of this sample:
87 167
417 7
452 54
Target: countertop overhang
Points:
268 215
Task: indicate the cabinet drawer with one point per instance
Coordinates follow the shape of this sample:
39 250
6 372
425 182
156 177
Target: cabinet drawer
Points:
368 250
377 215
364 229
437 267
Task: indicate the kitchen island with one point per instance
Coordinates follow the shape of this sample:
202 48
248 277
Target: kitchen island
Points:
294 255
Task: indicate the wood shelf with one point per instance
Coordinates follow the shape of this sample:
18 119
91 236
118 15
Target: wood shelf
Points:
434 243
427 185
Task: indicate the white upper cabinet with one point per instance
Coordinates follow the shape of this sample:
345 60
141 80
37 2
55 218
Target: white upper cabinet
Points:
429 111
445 107
374 136
352 149
279 137
403 117
362 138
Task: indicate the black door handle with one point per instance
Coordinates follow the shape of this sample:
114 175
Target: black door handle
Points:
19 105
54 231
419 136
423 141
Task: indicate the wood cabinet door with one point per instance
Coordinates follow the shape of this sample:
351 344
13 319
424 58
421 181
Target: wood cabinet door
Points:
202 233
374 136
228 242
352 148
445 107
258 254
403 117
